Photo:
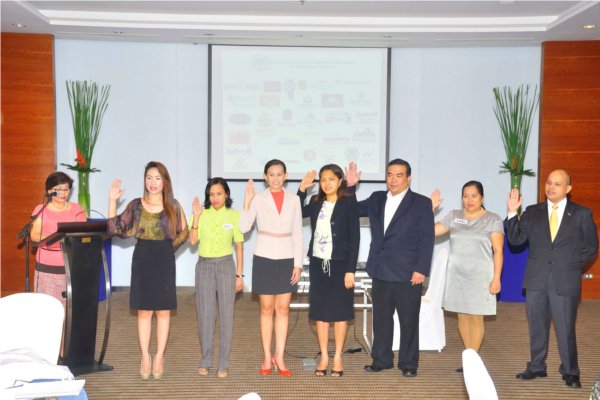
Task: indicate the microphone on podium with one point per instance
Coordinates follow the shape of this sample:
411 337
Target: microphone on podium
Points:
49 196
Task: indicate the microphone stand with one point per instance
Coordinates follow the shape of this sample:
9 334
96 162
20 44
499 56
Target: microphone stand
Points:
24 234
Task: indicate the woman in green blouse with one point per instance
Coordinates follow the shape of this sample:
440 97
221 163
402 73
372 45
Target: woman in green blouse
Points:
214 227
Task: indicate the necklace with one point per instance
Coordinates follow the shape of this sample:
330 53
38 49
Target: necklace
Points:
474 213
57 207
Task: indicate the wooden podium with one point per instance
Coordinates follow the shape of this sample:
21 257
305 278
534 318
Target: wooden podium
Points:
83 251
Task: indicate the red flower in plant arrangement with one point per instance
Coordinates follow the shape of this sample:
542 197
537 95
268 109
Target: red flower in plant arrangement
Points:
514 163
80 160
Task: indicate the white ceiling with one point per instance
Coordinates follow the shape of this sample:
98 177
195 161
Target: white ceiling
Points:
310 22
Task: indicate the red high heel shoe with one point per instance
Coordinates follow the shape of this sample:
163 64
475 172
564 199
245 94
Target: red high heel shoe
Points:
282 372
265 371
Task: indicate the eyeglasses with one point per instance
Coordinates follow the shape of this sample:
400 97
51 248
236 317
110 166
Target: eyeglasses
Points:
61 190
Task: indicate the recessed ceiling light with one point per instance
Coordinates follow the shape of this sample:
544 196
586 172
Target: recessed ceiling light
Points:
19 25
589 26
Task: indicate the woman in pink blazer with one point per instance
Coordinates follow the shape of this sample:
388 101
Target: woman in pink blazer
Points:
277 261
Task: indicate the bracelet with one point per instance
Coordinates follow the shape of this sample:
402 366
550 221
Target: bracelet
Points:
239 276
194 227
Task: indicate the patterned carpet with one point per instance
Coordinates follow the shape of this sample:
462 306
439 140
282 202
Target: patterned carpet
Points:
505 352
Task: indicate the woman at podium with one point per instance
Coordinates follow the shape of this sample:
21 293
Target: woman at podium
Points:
50 275
158 222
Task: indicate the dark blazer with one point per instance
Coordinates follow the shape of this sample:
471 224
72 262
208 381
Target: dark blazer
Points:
407 245
574 247
345 228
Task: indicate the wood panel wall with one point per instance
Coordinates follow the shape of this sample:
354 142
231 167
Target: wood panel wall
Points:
28 143
570 127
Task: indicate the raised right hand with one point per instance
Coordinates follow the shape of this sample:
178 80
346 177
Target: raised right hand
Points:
352 174
197 207
514 200
249 192
308 180
436 199
115 190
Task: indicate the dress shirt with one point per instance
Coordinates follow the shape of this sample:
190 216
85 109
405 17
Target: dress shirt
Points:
560 211
391 205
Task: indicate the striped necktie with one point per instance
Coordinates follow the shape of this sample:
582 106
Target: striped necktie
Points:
553 222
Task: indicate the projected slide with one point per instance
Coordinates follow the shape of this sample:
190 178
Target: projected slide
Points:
305 106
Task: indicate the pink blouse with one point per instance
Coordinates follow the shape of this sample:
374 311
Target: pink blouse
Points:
52 255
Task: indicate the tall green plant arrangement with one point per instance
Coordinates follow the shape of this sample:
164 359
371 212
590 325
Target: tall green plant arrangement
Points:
514 111
88 103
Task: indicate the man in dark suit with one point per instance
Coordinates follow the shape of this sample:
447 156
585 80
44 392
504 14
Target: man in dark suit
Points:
399 259
563 240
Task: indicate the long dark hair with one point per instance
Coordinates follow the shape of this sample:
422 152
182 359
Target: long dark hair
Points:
477 186
211 183
342 190
169 203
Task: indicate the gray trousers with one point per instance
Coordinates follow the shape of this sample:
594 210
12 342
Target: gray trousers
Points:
542 306
215 282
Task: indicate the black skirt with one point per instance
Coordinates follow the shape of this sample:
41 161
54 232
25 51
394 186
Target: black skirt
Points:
272 276
153 276
328 297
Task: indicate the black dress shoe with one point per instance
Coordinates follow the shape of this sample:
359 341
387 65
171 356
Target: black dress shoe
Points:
409 372
459 370
374 368
572 381
527 374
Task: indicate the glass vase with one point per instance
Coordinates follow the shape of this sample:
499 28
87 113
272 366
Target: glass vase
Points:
515 181
83 193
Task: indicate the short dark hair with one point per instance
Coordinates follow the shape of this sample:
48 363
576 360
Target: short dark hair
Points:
272 162
477 185
217 181
58 178
399 161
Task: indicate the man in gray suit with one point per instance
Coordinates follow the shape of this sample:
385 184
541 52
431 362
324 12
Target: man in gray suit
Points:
563 240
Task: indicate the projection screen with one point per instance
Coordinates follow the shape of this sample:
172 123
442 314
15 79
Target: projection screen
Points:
307 106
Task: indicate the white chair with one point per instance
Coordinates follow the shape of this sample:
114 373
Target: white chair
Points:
432 329
477 379
250 396
33 321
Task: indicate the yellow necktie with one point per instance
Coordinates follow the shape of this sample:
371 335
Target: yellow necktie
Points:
553 222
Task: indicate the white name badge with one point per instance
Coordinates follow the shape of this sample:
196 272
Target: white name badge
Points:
227 226
461 221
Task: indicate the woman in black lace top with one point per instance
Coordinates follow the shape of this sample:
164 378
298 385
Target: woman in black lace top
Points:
159 224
